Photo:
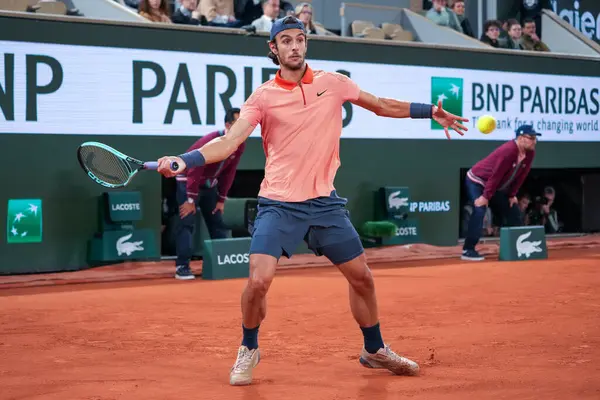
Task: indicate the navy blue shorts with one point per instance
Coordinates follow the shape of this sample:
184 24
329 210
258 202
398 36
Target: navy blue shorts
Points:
323 223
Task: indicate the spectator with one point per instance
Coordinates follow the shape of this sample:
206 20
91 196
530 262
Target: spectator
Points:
286 9
247 11
524 203
219 13
530 9
495 181
135 4
205 187
459 9
443 16
155 10
489 229
304 12
491 31
543 214
530 39
270 14
187 14
515 33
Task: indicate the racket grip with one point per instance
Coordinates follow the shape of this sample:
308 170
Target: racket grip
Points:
153 165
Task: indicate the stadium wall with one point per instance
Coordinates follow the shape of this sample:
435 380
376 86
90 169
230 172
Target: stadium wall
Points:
65 81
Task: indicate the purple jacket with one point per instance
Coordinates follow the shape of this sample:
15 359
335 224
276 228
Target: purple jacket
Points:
220 174
499 170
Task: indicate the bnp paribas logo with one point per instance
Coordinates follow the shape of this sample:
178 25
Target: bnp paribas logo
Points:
450 92
24 221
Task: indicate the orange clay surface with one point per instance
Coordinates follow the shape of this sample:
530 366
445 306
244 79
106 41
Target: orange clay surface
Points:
490 330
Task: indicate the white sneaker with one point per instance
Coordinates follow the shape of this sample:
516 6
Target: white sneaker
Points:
386 358
241 372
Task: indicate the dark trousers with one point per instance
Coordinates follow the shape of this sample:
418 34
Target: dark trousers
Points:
184 230
509 216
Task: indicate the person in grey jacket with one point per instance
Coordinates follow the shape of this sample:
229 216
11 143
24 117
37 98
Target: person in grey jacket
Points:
443 16
270 14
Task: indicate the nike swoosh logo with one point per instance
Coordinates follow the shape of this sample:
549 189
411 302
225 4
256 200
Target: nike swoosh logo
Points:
319 94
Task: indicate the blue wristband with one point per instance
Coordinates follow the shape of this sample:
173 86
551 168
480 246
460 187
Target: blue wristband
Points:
420 110
193 159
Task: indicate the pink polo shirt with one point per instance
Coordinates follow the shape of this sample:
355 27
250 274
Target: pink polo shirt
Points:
301 125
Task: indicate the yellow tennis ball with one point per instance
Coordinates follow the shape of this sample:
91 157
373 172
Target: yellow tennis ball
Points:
486 124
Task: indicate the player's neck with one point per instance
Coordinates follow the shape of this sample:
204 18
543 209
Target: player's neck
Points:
292 75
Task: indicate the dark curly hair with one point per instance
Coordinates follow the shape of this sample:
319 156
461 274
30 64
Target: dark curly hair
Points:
272 55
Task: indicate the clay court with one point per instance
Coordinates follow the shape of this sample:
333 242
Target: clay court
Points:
489 330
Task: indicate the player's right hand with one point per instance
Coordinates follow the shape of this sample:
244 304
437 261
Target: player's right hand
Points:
164 166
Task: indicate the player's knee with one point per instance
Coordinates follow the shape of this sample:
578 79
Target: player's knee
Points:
361 278
261 276
364 283
259 285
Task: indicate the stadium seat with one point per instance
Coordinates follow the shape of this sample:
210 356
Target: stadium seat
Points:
51 7
389 28
395 32
402 36
358 27
373 33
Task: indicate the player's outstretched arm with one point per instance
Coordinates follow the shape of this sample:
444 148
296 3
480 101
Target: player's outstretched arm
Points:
392 108
214 151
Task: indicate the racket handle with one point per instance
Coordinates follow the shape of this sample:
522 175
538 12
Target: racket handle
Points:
151 165
154 165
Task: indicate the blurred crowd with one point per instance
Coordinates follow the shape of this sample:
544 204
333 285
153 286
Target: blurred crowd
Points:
520 32
252 15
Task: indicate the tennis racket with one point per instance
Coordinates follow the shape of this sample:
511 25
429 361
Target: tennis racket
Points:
109 167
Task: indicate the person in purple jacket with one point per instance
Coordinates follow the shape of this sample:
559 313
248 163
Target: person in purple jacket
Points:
205 187
495 181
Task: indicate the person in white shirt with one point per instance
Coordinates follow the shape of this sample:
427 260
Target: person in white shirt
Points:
270 14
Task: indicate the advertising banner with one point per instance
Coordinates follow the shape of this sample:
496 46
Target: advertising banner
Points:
583 15
66 89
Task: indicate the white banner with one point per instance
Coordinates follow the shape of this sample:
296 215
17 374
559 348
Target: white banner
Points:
64 89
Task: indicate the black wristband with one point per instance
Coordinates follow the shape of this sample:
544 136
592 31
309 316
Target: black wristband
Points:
193 159
420 110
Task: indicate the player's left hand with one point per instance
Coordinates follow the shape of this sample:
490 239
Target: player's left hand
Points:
513 200
219 207
448 120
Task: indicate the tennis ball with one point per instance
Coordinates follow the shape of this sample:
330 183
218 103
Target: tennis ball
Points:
486 124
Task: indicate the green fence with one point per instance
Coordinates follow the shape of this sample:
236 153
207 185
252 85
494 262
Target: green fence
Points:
150 90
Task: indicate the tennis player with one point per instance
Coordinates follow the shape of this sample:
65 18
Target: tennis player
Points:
300 113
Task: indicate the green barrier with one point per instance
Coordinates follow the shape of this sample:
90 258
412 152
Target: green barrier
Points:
124 206
111 246
523 243
407 232
392 202
226 258
239 212
118 239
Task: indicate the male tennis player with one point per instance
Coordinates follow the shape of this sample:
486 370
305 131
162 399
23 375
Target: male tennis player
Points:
300 113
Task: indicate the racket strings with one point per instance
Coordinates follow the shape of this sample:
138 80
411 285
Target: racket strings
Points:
105 165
